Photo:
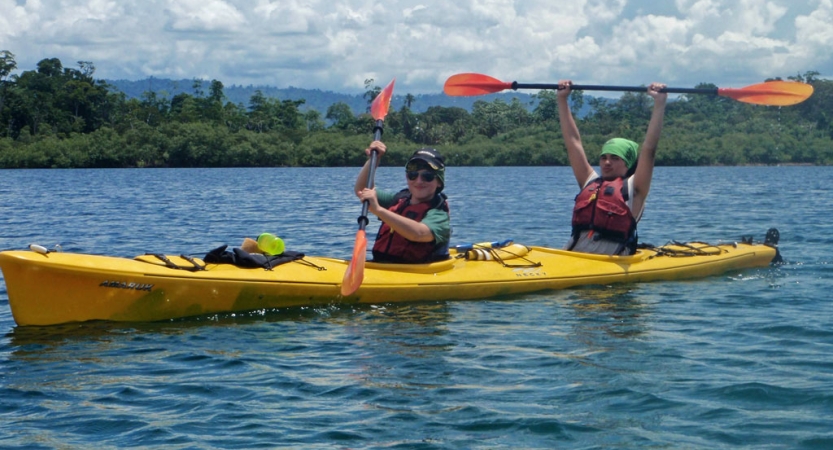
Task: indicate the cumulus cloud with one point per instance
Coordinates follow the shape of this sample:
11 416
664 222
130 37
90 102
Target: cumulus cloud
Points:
337 45
815 30
203 16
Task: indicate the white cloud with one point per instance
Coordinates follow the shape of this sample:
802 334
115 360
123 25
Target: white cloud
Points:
699 10
337 45
15 20
758 17
203 16
604 10
815 30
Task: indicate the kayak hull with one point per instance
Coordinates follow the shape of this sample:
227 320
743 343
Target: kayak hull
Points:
55 288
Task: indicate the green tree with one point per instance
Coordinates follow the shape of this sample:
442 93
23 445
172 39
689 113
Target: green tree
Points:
440 125
313 120
56 116
7 66
371 92
547 109
340 115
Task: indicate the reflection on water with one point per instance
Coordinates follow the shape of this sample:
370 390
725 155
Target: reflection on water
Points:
56 335
404 349
615 310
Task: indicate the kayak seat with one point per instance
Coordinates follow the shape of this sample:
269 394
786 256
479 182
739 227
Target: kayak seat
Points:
433 267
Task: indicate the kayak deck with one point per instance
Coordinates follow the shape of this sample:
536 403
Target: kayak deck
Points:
54 288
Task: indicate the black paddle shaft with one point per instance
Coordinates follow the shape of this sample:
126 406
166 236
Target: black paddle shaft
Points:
377 135
591 87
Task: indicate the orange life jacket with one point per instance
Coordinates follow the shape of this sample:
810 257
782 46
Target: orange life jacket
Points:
602 208
393 247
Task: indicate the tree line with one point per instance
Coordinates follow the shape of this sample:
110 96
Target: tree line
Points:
60 117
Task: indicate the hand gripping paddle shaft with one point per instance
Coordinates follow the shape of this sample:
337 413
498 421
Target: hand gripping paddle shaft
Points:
354 275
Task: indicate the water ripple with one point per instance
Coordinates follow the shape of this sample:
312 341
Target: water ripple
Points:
734 361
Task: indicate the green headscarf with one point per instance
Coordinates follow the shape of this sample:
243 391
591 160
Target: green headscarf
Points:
623 148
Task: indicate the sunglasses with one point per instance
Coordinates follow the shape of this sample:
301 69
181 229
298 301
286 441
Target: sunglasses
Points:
426 176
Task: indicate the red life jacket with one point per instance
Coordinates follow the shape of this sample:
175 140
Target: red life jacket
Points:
602 207
393 247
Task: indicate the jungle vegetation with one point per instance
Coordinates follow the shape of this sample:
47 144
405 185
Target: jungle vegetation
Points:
60 117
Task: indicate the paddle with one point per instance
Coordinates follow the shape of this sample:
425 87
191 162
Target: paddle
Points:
773 93
354 275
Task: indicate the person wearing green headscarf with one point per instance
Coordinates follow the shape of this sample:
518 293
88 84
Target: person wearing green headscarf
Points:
415 221
610 204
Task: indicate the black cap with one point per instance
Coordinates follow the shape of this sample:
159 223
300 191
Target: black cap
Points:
430 156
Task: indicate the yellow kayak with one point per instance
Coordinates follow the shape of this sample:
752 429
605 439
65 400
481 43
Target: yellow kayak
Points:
47 288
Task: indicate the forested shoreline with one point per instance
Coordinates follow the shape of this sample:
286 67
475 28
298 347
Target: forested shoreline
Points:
59 117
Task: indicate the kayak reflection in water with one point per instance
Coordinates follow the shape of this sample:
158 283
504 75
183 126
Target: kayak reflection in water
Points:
415 221
609 205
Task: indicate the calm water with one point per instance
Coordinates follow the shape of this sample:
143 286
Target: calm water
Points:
740 360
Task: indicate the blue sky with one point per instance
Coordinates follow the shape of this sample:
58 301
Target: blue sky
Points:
337 44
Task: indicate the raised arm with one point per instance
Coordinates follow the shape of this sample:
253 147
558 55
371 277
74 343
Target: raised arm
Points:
647 154
572 139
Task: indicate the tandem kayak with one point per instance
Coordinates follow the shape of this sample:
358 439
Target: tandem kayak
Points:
47 288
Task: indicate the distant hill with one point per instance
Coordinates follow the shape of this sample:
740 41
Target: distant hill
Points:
314 98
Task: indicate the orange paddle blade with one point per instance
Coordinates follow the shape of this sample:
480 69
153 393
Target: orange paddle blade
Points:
773 93
380 105
354 275
468 84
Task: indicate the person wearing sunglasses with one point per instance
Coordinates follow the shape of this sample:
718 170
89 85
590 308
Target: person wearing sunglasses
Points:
415 226
609 205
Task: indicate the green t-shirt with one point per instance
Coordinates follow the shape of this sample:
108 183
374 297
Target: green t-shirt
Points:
436 220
